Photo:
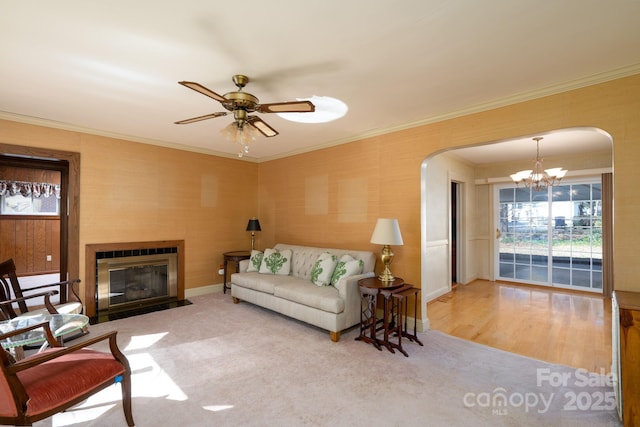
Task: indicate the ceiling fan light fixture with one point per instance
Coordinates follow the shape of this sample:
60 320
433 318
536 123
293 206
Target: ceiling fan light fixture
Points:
327 109
241 133
245 127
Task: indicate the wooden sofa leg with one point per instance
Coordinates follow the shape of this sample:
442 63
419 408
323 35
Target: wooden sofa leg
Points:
236 300
335 336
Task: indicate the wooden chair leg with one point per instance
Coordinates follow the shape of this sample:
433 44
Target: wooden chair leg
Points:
335 336
126 399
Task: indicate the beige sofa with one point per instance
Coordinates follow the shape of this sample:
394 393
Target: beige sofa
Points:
334 308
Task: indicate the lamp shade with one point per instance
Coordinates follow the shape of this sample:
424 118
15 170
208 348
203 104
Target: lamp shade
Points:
253 225
387 232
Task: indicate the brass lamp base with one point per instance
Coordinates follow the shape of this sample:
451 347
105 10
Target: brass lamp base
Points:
386 257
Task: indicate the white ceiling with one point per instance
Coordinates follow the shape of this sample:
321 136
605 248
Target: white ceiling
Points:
112 67
563 142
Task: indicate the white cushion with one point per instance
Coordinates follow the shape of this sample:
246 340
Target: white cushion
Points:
275 261
72 307
255 260
347 266
323 269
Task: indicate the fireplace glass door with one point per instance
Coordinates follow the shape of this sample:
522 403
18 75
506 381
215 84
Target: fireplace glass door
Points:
136 280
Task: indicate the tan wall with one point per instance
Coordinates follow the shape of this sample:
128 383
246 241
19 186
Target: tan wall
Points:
328 197
138 192
333 197
387 170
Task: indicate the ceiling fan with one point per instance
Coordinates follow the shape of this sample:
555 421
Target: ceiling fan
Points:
242 103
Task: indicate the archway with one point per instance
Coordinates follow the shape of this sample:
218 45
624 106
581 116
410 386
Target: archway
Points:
476 169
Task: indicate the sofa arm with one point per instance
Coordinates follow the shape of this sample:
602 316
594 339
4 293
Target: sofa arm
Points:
350 293
243 265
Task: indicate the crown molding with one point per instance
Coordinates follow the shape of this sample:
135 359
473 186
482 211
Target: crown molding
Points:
487 106
36 121
498 103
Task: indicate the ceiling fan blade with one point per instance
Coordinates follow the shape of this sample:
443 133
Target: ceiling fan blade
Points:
197 119
287 107
203 90
262 126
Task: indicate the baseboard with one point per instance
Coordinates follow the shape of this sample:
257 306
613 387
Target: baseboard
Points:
421 326
436 294
202 290
424 325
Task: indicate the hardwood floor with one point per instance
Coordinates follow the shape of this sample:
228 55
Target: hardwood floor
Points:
557 326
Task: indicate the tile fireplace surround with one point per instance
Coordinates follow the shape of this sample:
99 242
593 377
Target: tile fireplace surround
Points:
95 251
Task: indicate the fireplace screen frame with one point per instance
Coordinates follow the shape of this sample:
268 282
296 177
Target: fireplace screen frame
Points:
106 265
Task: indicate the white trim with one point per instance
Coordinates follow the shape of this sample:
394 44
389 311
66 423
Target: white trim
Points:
487 106
571 174
436 243
435 294
203 290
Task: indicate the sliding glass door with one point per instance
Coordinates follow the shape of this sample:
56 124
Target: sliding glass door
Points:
550 237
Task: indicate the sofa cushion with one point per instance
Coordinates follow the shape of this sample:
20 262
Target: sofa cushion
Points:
255 260
275 261
347 266
261 282
323 269
325 298
253 280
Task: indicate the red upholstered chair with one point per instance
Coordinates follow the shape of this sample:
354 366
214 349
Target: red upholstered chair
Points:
46 383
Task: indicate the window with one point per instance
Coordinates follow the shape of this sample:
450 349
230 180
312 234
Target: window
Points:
551 237
29 198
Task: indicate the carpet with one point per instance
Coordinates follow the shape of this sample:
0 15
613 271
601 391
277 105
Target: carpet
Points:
215 363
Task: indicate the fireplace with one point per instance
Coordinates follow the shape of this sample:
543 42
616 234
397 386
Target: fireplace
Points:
133 278
132 281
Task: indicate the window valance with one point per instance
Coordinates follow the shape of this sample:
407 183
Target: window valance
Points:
29 189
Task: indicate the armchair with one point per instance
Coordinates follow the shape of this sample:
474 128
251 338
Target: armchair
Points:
69 299
44 384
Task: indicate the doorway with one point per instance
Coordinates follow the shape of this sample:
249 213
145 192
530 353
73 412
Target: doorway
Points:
33 217
584 151
70 234
455 230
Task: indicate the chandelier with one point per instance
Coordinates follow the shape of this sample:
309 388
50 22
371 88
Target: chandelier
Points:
538 178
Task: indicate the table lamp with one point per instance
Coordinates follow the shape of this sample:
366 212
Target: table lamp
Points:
253 226
387 232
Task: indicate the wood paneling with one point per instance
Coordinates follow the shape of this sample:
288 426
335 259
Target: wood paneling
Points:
28 241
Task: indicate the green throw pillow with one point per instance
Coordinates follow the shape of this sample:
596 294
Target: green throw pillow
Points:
255 260
323 269
276 262
347 266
